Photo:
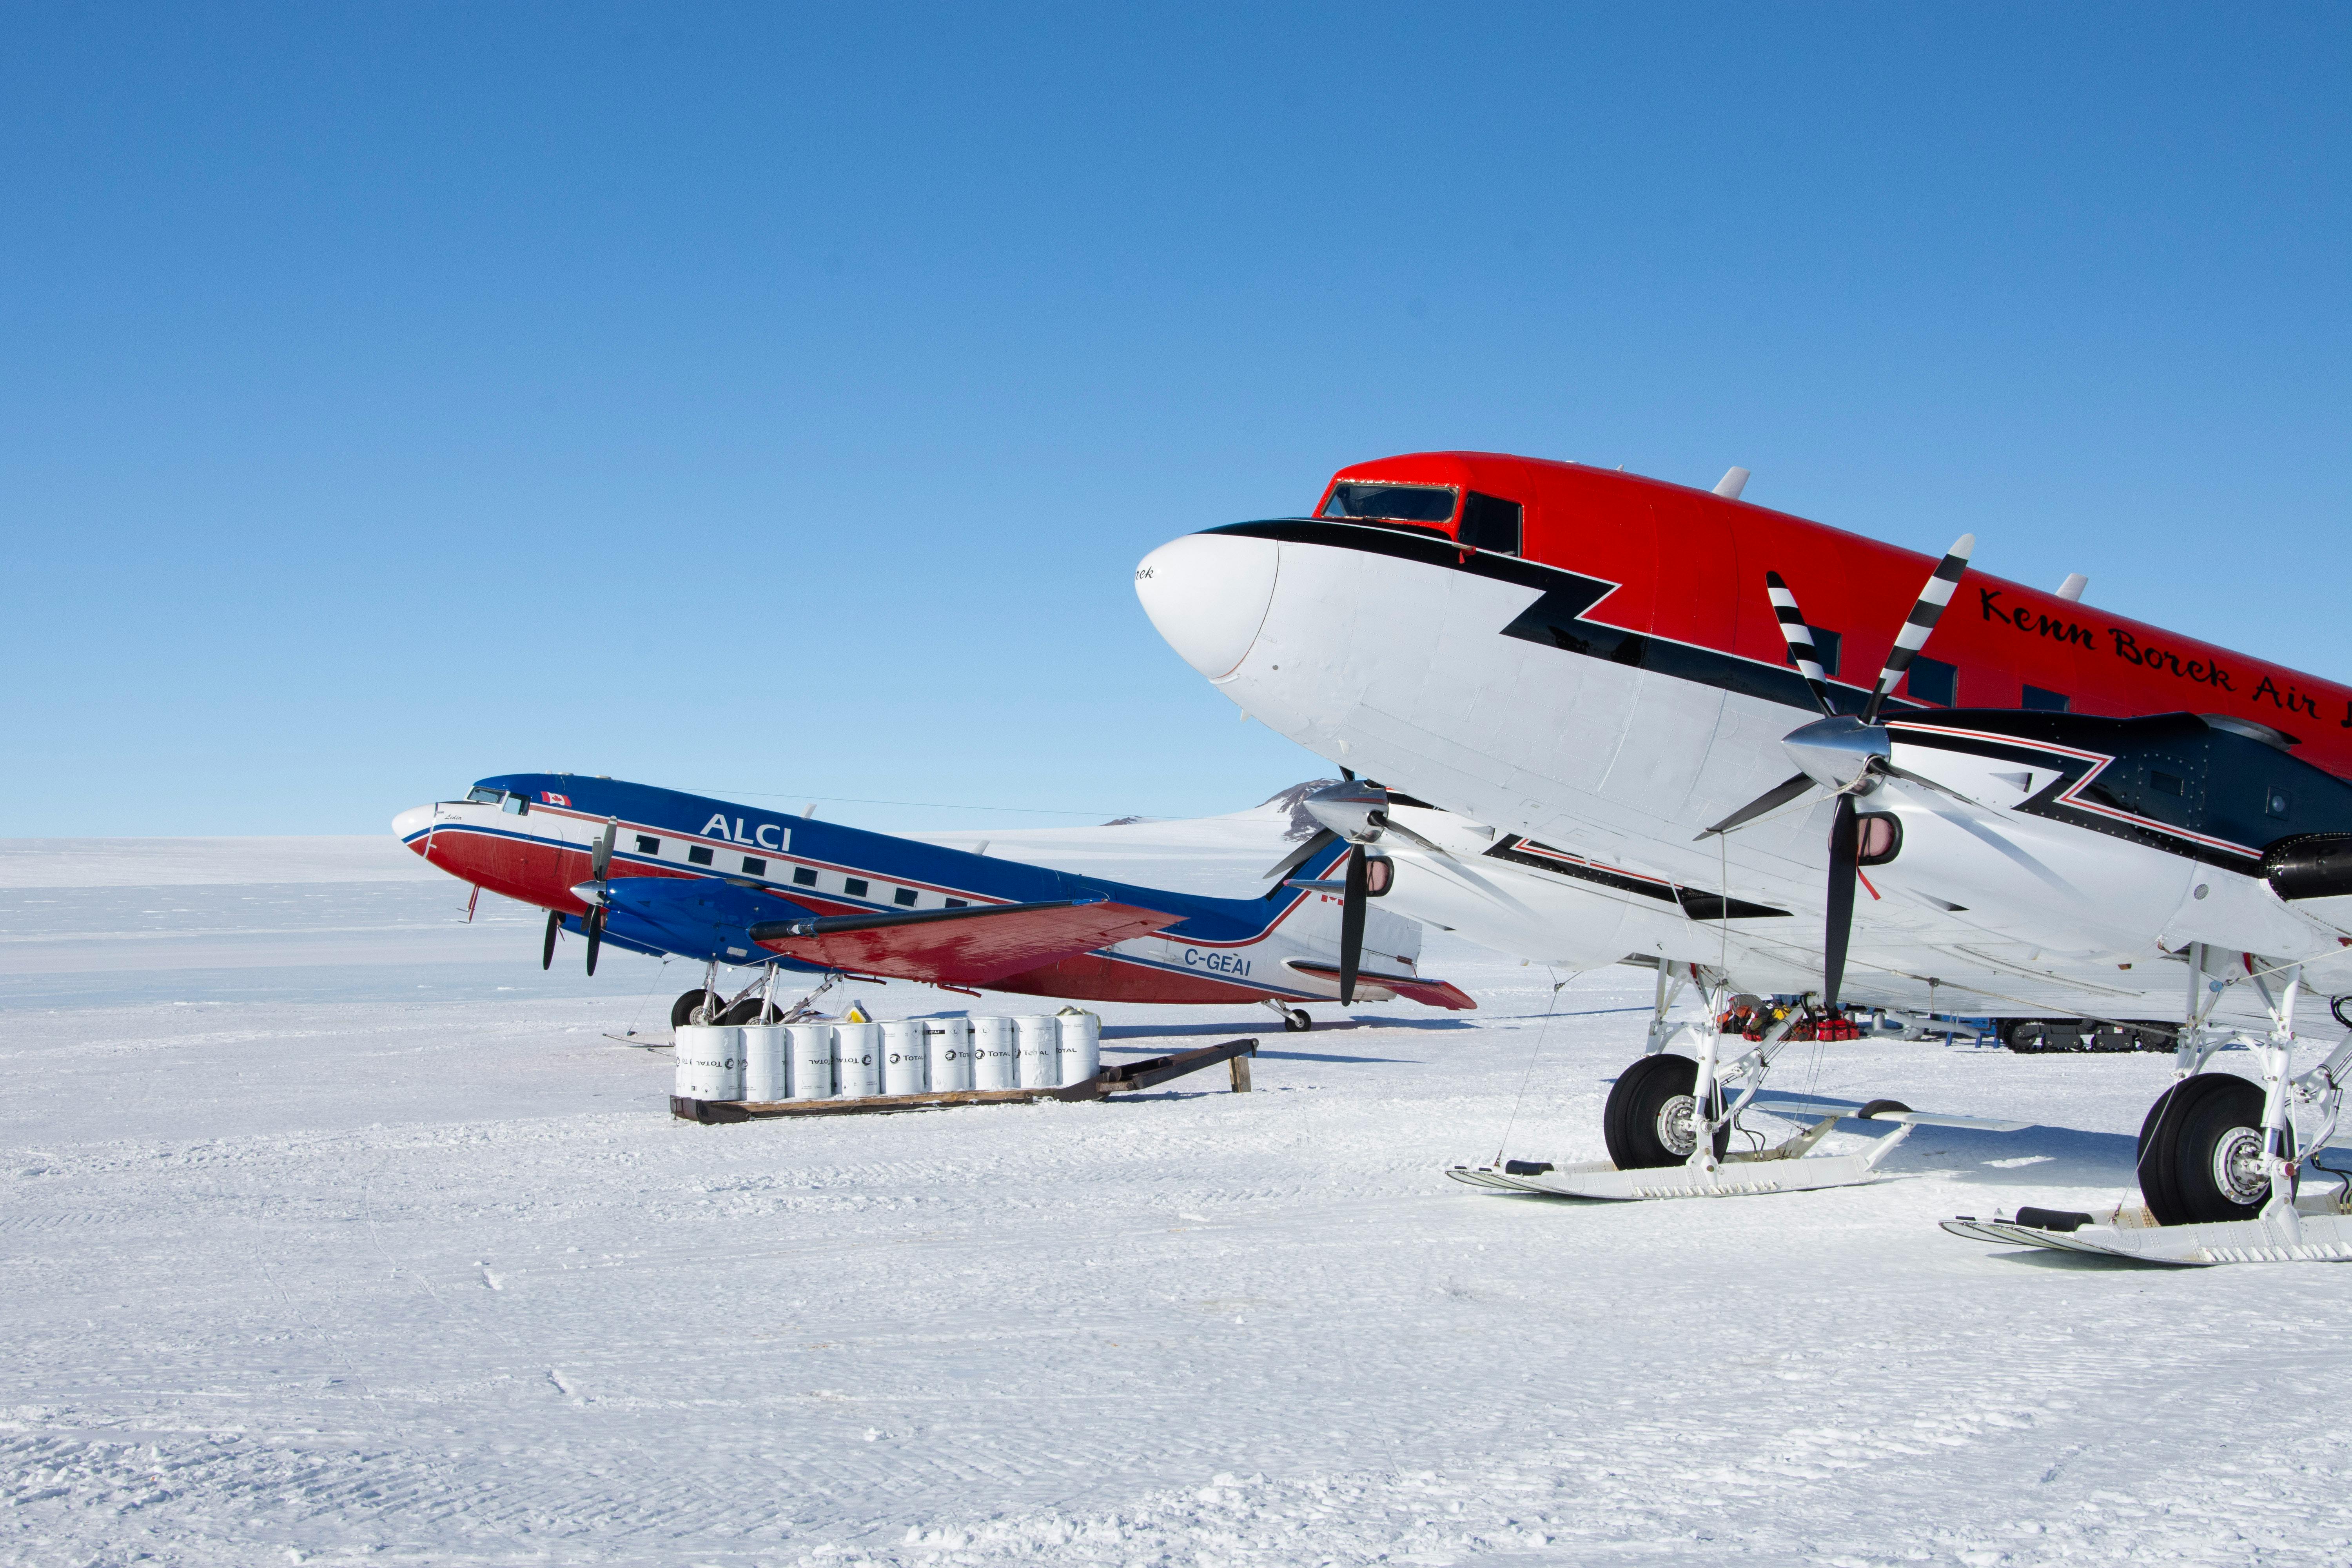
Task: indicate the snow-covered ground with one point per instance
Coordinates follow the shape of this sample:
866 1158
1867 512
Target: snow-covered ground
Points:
336 1230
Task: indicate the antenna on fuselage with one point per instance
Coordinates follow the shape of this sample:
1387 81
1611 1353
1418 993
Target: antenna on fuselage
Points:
1733 480
2072 588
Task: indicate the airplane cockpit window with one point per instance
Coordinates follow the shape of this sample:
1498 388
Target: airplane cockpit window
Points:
512 803
1394 503
1490 522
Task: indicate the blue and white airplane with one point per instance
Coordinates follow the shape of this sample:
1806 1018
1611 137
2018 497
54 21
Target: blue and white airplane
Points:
657 871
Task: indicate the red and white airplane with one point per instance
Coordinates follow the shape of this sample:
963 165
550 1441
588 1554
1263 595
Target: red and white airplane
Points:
2041 811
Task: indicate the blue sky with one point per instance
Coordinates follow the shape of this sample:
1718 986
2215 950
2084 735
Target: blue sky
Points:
776 402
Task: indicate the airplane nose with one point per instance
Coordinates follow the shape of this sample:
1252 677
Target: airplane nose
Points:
414 820
1208 594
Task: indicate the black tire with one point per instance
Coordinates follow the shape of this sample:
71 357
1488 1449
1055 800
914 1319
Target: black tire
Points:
751 1010
1296 1021
681 1012
1635 1120
2201 1130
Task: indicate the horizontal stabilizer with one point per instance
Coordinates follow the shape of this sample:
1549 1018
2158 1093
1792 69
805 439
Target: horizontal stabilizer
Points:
1412 987
959 947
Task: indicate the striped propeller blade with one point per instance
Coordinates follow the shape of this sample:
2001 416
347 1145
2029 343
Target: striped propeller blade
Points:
1799 638
1914 634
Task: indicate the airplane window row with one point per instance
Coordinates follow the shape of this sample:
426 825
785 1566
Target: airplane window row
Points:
753 865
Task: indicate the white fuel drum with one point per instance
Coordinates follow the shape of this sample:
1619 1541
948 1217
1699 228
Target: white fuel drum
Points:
710 1062
1037 1051
766 1054
857 1060
992 1054
950 1044
1081 1041
812 1057
904 1057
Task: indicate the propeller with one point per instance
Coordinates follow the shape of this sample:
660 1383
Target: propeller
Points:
595 892
1844 753
554 926
1355 811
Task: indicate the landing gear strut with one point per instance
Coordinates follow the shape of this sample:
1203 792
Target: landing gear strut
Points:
2217 1147
1295 1020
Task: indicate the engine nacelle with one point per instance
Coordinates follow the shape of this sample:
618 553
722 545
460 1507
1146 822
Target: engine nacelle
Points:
2310 865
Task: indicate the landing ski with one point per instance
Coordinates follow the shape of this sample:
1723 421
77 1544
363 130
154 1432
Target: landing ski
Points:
2306 1238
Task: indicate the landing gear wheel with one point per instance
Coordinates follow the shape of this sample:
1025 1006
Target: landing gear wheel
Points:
682 1011
1650 1120
750 1010
1295 1021
2201 1151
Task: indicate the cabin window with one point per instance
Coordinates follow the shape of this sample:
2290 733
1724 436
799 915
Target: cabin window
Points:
959 903
1490 523
803 876
1933 680
2041 702
905 896
1825 649
699 855
752 868
648 845
477 796
854 887
516 806
1402 503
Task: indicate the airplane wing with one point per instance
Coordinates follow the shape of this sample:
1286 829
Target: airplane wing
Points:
959 947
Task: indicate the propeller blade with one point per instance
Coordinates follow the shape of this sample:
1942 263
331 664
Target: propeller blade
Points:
1799 638
1844 868
1351 925
1772 799
1300 856
1402 831
595 924
1914 634
554 924
602 858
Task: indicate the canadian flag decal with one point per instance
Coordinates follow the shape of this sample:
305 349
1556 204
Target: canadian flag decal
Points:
551 798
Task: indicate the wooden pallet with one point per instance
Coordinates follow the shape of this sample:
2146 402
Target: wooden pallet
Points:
1127 1078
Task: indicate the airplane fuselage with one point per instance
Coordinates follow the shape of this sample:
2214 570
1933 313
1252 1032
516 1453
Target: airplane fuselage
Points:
1585 662
724 868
